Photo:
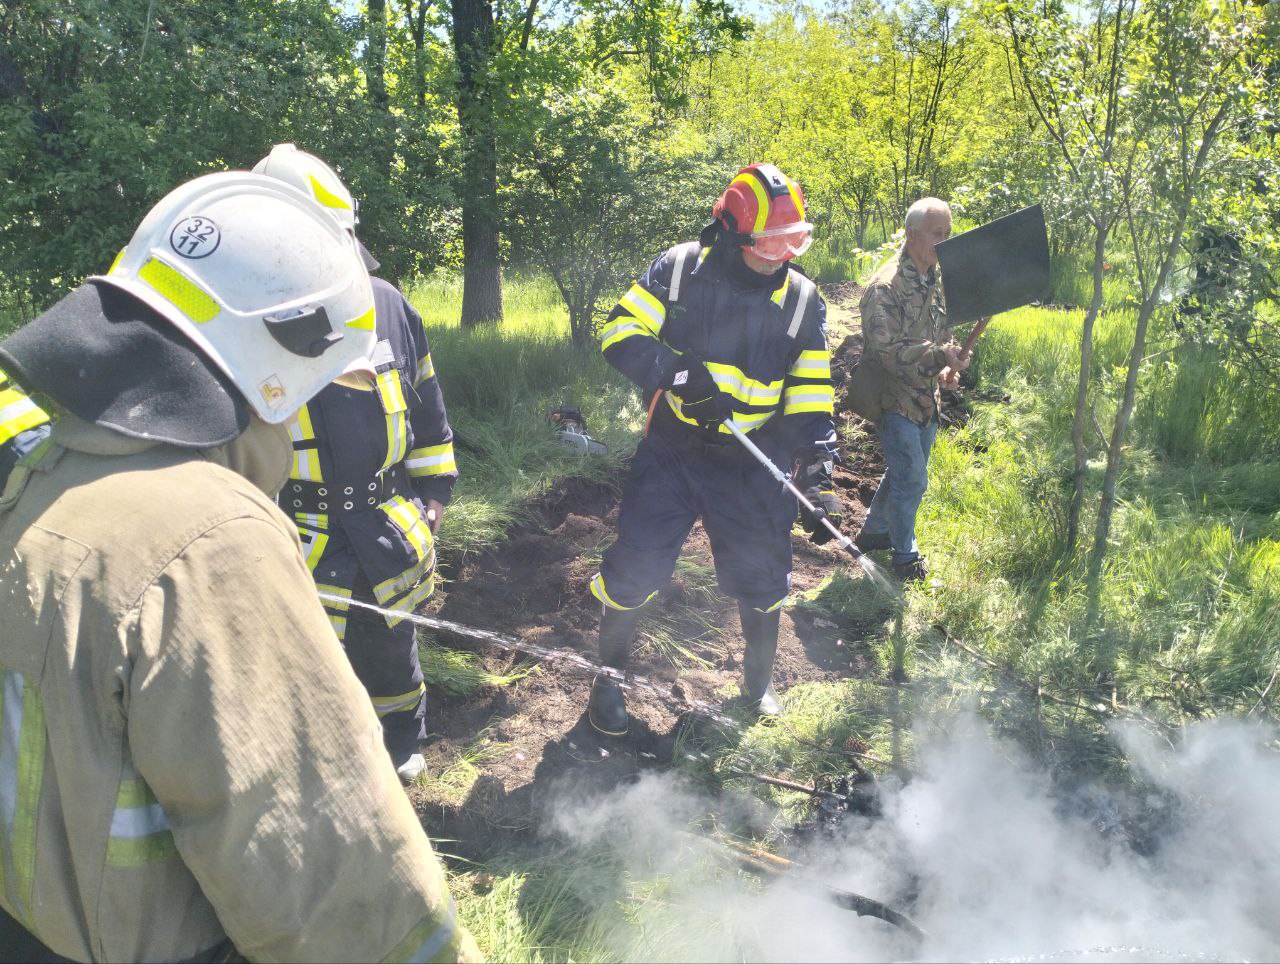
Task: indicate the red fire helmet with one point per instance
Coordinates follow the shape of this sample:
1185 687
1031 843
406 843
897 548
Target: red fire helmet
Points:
765 209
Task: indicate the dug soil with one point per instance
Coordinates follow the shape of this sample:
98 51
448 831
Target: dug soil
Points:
504 749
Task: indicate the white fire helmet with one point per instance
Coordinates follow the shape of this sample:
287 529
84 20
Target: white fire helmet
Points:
260 280
314 178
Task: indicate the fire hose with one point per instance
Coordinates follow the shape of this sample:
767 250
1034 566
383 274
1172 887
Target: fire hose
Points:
842 540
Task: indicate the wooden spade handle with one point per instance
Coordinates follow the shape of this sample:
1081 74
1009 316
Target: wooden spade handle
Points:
972 340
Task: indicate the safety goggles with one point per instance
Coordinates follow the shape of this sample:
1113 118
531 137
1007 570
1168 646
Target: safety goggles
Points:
782 243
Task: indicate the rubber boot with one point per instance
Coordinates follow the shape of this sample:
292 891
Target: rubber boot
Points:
607 708
760 630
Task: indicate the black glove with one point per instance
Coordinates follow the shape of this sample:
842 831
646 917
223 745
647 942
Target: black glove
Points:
700 396
813 477
826 506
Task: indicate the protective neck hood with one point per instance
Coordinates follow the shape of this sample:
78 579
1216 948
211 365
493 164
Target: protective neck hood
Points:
263 454
105 357
740 274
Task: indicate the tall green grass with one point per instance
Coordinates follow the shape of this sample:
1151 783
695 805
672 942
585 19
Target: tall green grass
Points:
500 382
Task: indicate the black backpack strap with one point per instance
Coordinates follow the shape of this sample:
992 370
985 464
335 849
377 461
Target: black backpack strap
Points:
795 306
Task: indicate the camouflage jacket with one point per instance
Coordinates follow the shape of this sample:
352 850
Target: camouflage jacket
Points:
904 322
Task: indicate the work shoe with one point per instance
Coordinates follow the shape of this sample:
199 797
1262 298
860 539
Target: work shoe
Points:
760 630
913 571
411 769
871 541
607 708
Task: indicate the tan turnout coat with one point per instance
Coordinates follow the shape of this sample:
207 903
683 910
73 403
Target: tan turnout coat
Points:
185 753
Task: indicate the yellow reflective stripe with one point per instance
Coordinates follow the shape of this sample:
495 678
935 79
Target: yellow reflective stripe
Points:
734 381
426 369
385 705
390 391
431 460
306 465
140 831
325 196
398 592
428 939
778 296
747 421
185 295
116 261
795 195
18 413
339 605
808 398
362 322
411 600
598 590
624 326
762 201
391 394
22 750
397 439
649 310
313 546
336 609
311 520
776 606
306 461
813 363
409 521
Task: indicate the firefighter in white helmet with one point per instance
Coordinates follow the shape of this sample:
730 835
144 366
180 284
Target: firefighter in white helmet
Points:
172 788
373 469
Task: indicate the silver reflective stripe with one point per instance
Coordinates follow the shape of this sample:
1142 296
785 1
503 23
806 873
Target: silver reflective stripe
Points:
804 290
802 398
438 939
427 460
10 742
14 409
139 821
677 275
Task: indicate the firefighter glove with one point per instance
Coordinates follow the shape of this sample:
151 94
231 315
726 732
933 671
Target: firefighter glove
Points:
826 506
700 396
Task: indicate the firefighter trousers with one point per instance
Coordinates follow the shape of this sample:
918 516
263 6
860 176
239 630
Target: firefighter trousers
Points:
675 480
385 659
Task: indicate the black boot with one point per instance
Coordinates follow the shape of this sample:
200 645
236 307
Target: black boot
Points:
607 708
760 630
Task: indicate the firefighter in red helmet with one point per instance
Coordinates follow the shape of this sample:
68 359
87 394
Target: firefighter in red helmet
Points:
723 328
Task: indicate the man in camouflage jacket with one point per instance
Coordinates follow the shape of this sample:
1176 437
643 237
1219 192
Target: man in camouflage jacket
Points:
904 323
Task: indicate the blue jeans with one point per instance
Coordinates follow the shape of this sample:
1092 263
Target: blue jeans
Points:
897 499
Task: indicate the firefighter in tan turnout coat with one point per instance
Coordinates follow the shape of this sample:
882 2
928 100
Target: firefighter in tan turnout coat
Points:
170 786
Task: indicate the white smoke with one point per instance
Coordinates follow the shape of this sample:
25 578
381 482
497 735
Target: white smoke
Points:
981 851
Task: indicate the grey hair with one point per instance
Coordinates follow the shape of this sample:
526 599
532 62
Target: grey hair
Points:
917 213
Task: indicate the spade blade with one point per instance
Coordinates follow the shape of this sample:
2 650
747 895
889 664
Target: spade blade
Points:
1001 265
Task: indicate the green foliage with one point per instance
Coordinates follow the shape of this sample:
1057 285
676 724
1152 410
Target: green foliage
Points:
461 673
586 201
507 449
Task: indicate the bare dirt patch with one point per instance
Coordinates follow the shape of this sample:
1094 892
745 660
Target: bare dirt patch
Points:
504 748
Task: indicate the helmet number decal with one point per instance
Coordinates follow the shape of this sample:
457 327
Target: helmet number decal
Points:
195 237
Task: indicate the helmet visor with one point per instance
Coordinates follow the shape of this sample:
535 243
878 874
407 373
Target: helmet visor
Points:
782 243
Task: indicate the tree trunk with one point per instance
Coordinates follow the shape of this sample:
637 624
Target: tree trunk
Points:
375 55
1082 392
1115 449
473 40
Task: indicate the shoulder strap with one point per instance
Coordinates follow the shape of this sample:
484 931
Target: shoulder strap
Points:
804 288
678 272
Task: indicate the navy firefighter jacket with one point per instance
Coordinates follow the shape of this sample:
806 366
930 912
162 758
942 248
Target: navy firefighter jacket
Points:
365 462
764 342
